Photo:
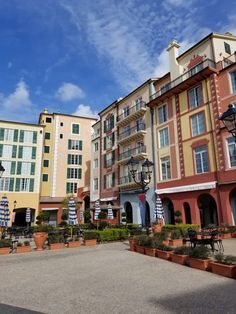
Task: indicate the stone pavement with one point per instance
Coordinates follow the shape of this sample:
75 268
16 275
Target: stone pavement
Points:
108 279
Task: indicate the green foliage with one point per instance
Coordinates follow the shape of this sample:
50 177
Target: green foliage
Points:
182 227
182 250
26 243
5 243
102 215
43 216
103 225
175 234
87 215
232 229
164 247
225 259
132 226
43 228
64 216
123 220
136 232
161 236
200 252
211 226
112 235
178 220
143 240
155 242
55 238
19 244
63 223
123 214
90 235
178 213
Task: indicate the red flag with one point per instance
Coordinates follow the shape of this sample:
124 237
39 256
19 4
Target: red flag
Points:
141 197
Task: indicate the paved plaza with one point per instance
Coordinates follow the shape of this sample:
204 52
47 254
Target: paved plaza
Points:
109 279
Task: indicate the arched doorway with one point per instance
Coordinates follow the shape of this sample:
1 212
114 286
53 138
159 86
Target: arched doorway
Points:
20 217
208 210
86 202
169 214
232 199
147 215
187 213
129 212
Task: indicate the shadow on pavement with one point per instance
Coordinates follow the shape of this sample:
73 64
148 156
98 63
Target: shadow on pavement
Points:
9 309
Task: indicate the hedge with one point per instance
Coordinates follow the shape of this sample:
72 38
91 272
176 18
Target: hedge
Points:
182 227
107 235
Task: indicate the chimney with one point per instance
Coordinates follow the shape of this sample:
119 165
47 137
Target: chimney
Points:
173 55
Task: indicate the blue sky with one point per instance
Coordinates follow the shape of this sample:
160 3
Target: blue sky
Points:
78 56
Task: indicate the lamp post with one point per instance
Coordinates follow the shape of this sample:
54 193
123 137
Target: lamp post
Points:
229 120
142 178
2 169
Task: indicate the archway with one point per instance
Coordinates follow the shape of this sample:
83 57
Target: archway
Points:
147 215
187 213
20 217
208 210
169 214
86 202
129 212
232 199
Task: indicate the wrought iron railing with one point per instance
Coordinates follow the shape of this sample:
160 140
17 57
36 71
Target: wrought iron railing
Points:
131 131
131 110
132 152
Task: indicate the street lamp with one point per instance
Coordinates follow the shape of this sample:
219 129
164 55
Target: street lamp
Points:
142 178
229 120
2 169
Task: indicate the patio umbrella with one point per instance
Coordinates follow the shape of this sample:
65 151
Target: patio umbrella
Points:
97 210
109 211
72 220
28 215
158 211
4 212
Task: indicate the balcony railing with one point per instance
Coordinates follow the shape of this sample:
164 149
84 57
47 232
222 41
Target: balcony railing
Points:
132 110
131 131
199 67
95 135
132 152
128 179
109 162
228 61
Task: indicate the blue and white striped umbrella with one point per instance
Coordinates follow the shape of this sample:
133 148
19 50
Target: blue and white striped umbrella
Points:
97 210
81 215
28 215
72 220
4 212
109 212
158 211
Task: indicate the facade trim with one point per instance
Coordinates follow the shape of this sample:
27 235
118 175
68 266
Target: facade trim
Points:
186 188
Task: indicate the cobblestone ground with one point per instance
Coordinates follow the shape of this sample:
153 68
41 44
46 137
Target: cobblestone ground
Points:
109 279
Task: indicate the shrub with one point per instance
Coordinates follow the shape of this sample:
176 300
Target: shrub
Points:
175 234
136 232
132 226
178 213
144 240
87 215
102 225
182 250
19 244
225 259
64 216
55 238
161 236
123 214
26 243
178 220
232 229
182 227
43 228
102 215
90 235
155 242
200 252
163 247
5 243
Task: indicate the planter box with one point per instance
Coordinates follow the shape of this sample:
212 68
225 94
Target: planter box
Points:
179 259
165 242
156 228
224 270
233 234
90 242
74 244
23 249
57 246
226 236
176 242
40 239
132 244
150 251
202 264
140 249
4 250
164 254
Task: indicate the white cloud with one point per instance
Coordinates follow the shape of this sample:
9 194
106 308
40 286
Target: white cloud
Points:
85 111
68 91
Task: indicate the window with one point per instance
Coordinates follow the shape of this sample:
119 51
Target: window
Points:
61 124
162 114
9 135
75 145
45 177
201 159
75 128
74 159
95 163
7 151
95 184
165 168
164 88
231 151
46 149
126 131
109 141
6 184
109 180
197 68
96 147
7 166
126 111
26 152
139 124
61 135
195 97
71 187
138 103
227 48
48 120
233 81
108 124
47 136
198 124
109 159
72 173
46 163
24 185
164 137
24 168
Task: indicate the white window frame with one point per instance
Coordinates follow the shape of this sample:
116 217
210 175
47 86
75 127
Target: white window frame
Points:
228 144
160 112
198 130
233 86
7 151
95 184
166 140
202 150
72 124
196 97
9 135
4 184
165 175
28 136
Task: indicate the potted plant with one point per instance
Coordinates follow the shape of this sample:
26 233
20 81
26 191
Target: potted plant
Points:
164 251
178 219
232 229
23 247
180 255
175 238
225 231
199 257
156 226
162 237
74 242
133 240
40 235
149 247
90 237
56 241
142 240
224 265
5 246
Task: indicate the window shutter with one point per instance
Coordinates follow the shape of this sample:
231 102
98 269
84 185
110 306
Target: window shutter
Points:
14 149
1 148
105 144
80 145
15 136
11 185
32 170
19 164
31 185
69 144
13 167
33 152
21 136
17 189
104 161
80 160
104 182
69 159
80 173
35 137
104 126
113 138
20 152
67 187
112 121
113 178
68 173
113 157
2 130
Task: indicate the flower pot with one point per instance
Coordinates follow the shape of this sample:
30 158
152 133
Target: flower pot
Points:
164 254
4 250
57 246
91 242
233 234
165 242
156 228
132 244
23 249
224 270
202 264
74 244
150 251
226 235
40 239
179 259
140 249
176 242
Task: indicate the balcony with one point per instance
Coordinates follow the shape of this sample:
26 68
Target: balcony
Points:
132 113
95 136
108 163
185 81
138 152
228 61
128 182
131 134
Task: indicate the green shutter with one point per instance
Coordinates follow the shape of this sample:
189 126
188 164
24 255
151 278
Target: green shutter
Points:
80 160
113 138
80 173
32 170
2 130
21 136
14 149
35 137
11 186
20 152
69 144
31 185
68 173
13 167
104 182
80 145
113 178
15 139
17 189
67 187
113 157
105 143
112 121
1 148
19 164
33 153
104 127
104 161
69 157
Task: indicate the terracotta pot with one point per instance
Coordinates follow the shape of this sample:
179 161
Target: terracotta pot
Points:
150 251
164 254
40 239
224 270
233 234
4 250
140 249
132 244
74 244
176 242
179 259
165 242
226 235
23 249
202 264
156 228
57 246
90 242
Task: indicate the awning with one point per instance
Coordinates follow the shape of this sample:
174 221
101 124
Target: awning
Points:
188 188
108 199
49 209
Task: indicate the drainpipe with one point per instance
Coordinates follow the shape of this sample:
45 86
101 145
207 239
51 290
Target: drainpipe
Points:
153 146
